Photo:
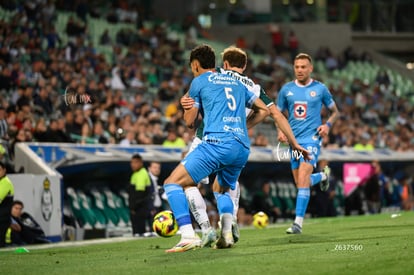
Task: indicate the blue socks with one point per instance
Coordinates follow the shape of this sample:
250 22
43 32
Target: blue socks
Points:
178 203
224 203
315 178
302 201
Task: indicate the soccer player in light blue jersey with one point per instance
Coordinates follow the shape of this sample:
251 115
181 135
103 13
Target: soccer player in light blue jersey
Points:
234 64
225 147
303 100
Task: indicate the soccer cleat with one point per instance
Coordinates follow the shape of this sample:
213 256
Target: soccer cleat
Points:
209 238
225 241
185 245
235 231
294 229
324 185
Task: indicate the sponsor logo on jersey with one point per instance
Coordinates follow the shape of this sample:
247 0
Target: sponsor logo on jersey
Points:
300 109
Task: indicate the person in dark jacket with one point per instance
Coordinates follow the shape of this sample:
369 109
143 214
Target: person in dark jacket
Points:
23 228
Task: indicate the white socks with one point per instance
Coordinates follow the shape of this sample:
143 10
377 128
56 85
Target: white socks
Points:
299 221
235 197
226 221
198 208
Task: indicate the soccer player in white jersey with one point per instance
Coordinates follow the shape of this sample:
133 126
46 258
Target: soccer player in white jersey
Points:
225 147
303 99
234 64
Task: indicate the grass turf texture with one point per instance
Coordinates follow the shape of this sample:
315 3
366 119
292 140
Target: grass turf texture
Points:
376 244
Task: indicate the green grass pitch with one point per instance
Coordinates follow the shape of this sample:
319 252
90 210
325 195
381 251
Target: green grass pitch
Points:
377 244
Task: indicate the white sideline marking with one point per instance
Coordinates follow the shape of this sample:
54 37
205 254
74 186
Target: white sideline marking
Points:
73 243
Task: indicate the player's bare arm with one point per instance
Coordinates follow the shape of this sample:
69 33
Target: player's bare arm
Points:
260 112
282 124
186 102
285 132
281 137
190 117
324 129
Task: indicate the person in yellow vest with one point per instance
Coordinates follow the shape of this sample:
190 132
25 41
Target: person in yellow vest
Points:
139 195
6 201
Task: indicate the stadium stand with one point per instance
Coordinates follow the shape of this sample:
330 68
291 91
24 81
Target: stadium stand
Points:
380 109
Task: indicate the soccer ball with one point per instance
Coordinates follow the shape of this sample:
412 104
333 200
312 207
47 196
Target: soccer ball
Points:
164 224
260 220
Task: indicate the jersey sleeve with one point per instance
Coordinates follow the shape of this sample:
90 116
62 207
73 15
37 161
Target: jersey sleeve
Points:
263 96
250 98
194 92
327 98
281 100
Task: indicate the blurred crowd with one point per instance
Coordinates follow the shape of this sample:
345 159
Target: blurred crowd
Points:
52 91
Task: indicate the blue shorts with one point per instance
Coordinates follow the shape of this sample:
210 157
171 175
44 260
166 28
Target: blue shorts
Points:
226 158
297 158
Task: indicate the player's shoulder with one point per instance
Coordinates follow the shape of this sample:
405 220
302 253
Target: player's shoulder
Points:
316 82
288 85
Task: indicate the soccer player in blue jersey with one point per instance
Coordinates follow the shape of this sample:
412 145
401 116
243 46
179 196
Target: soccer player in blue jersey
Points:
225 147
303 99
234 64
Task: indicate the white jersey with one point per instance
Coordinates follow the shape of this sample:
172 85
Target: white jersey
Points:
246 81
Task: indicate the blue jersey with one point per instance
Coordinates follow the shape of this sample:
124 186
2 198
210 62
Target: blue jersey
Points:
304 105
222 99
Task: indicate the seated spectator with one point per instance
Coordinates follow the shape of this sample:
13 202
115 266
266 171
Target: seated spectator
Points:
105 39
54 134
99 133
173 140
4 127
24 229
40 130
43 105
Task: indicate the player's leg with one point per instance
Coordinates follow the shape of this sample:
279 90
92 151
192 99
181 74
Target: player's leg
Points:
235 197
302 199
192 168
225 208
302 171
321 177
173 187
199 210
198 206
195 199
196 141
227 179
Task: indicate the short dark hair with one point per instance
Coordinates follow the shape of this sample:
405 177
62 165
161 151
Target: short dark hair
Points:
2 165
205 55
136 156
18 202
